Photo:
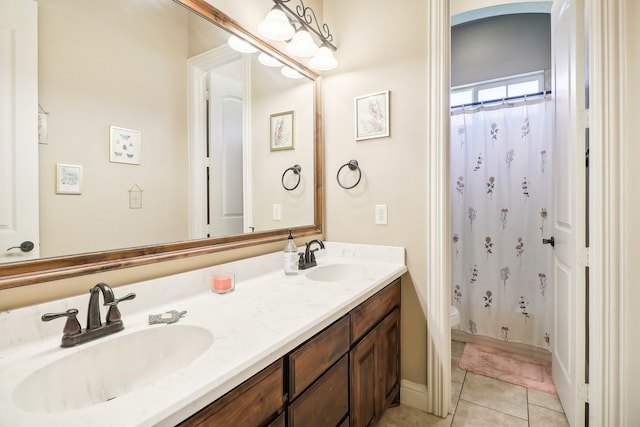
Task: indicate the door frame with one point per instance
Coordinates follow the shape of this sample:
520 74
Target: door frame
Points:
607 318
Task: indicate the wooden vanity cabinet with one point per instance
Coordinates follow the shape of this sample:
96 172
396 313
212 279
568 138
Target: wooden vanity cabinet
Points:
346 375
375 356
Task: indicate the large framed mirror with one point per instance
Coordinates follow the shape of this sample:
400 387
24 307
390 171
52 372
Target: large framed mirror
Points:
202 175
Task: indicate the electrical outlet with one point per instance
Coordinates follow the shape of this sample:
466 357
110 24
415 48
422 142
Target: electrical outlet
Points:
381 214
277 212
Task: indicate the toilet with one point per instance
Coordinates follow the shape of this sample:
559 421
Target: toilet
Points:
455 317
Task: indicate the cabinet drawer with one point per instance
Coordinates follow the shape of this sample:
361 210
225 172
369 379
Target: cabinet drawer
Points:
372 311
252 403
326 402
314 357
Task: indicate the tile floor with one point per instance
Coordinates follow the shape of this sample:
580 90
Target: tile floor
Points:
482 401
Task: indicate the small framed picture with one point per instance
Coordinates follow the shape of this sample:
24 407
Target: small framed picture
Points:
372 115
282 137
124 145
68 179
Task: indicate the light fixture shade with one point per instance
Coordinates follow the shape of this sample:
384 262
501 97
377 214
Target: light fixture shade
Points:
324 60
302 45
268 60
240 45
290 73
276 26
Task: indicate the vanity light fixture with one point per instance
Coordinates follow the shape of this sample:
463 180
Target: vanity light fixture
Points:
240 45
301 44
323 60
276 25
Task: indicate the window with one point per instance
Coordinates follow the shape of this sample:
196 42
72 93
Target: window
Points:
492 90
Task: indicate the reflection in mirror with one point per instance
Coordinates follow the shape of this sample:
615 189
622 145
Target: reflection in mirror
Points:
149 66
204 172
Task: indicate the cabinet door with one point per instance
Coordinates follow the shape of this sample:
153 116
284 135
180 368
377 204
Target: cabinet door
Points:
375 372
389 366
365 400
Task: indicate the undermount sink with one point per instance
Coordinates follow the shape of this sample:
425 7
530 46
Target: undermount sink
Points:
336 273
110 369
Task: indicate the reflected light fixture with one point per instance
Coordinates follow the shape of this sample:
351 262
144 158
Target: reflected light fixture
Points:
240 45
290 73
309 35
268 60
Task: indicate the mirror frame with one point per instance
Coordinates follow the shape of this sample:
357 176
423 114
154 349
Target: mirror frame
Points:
22 273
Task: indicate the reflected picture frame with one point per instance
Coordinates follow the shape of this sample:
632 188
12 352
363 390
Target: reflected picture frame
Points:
125 145
372 115
68 179
282 131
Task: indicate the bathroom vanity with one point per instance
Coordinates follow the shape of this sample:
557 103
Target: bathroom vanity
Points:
318 348
358 355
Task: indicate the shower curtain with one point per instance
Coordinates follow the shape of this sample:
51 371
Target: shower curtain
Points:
501 195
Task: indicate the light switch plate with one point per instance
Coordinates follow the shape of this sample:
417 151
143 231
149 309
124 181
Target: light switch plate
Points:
381 214
277 212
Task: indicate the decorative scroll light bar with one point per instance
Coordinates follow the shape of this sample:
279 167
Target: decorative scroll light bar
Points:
278 26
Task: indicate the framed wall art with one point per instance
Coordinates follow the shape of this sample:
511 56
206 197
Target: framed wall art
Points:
124 145
68 179
282 136
372 115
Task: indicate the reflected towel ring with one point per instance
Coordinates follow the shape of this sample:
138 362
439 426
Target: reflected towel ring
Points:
296 170
352 165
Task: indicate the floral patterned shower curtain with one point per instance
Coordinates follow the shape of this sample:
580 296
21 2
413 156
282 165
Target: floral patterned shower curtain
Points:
501 194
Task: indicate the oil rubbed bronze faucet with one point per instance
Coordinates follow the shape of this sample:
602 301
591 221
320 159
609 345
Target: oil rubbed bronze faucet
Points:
308 257
73 334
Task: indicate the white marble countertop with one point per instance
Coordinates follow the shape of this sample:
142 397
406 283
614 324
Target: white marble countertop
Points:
267 315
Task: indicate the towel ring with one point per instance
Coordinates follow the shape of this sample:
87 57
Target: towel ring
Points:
296 169
352 165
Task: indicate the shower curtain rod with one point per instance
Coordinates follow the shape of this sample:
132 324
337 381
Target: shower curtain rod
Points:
510 98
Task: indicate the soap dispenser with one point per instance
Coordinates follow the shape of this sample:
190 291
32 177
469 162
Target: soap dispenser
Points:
290 256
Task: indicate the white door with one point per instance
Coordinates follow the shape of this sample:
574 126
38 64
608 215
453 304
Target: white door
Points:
18 130
226 201
567 26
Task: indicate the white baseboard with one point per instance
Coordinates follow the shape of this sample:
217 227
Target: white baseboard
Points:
413 394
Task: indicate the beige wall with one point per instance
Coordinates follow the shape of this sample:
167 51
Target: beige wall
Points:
382 47
631 289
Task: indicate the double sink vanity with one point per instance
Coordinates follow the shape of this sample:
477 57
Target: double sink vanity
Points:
318 348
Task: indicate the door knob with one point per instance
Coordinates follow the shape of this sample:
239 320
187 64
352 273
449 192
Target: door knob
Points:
550 241
25 246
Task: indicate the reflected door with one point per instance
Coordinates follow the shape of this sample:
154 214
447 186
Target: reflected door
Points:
18 130
225 177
